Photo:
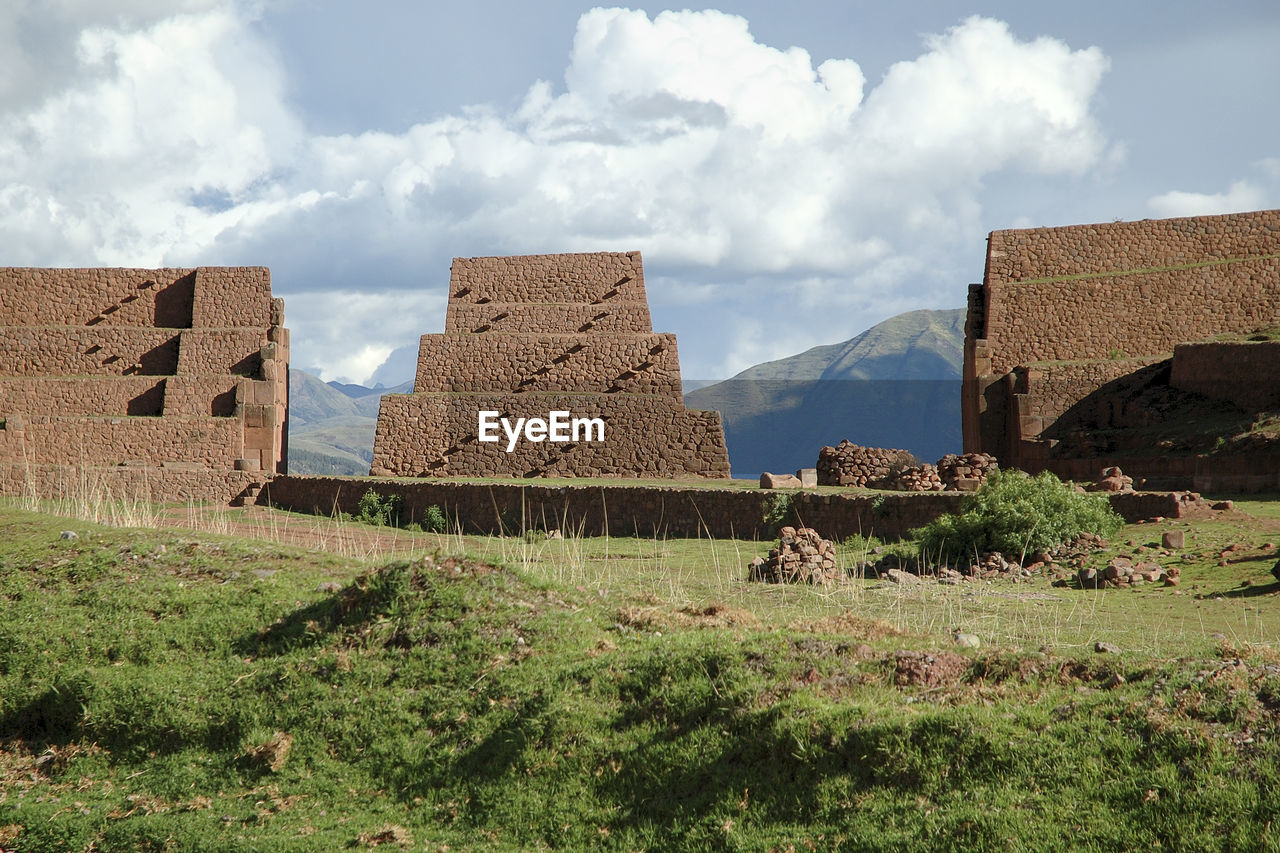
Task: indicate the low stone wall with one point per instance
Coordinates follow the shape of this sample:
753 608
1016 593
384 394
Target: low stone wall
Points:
675 511
670 511
107 441
164 483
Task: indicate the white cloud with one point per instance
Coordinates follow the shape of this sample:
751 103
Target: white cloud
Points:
1239 197
737 167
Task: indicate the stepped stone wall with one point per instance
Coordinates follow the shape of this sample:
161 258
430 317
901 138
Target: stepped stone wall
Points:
530 335
173 381
1061 312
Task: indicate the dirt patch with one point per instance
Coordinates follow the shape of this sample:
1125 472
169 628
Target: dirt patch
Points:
929 669
715 615
850 625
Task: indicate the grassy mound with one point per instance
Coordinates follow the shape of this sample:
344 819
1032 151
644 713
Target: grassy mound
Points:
169 691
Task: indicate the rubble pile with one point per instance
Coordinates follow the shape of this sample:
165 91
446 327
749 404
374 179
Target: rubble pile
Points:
1112 480
965 472
801 556
849 464
921 478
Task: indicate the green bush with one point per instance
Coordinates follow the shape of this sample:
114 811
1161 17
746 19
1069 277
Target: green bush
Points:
433 520
1016 514
779 511
380 510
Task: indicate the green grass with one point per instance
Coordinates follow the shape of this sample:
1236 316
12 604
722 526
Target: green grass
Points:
166 690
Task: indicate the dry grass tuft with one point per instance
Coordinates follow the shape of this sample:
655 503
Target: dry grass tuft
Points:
389 834
271 753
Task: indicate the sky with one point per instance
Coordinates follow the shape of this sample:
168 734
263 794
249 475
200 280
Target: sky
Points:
792 173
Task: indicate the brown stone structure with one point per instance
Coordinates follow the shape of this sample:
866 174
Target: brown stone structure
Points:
689 509
1063 312
529 335
167 383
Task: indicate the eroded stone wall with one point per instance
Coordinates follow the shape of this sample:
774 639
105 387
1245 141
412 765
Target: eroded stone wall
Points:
1062 312
168 369
528 336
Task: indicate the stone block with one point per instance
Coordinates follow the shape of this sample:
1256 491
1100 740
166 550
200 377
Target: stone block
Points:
779 481
808 478
1172 539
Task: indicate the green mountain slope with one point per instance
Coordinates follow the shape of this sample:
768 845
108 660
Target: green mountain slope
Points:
312 400
895 385
914 345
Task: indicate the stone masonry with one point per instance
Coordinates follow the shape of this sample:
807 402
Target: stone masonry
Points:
168 384
1063 312
528 335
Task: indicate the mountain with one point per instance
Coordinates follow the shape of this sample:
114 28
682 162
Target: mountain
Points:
312 400
895 385
331 425
914 345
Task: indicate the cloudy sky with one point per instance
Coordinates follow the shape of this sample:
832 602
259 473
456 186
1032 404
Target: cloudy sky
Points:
793 173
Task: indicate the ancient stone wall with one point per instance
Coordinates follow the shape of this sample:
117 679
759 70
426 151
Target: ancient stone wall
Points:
589 278
602 364
171 369
614 317
684 511
1246 374
528 336
1109 299
434 435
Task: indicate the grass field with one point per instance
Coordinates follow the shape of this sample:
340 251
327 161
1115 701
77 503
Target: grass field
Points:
222 689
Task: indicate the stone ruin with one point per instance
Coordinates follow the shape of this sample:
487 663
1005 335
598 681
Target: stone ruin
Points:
163 384
531 335
1065 316
801 556
849 464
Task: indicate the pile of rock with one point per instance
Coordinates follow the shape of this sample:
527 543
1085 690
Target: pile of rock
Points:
921 478
1122 573
965 472
801 556
849 464
1112 480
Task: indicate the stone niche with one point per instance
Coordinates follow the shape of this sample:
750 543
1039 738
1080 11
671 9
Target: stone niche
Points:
530 335
163 384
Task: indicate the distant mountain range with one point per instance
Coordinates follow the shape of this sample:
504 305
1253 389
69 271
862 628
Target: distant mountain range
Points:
331 425
895 385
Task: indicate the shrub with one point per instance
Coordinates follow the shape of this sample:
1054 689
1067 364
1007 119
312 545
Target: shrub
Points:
779 511
377 509
1016 514
433 520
